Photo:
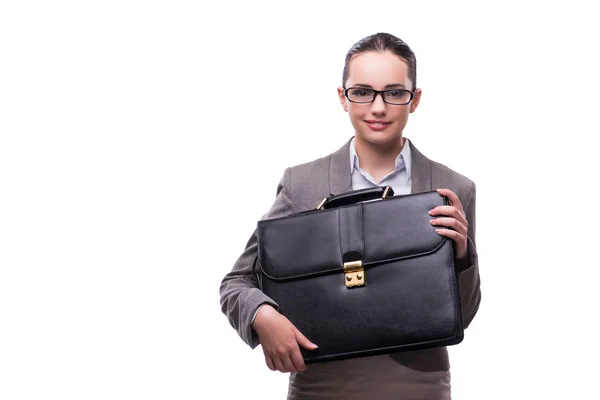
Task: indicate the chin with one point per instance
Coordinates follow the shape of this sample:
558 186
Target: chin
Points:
379 138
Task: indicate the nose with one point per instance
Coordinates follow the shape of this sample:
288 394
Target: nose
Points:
378 106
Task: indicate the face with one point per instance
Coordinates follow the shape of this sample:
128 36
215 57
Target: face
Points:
378 122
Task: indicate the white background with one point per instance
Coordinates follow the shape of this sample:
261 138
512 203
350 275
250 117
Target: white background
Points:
141 141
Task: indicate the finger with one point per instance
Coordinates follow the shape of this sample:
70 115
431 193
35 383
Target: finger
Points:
454 200
449 233
459 240
298 360
279 364
450 223
450 211
303 341
270 363
288 364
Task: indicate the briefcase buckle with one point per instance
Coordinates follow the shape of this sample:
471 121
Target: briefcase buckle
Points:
354 274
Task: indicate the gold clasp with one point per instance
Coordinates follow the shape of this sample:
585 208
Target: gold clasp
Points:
354 274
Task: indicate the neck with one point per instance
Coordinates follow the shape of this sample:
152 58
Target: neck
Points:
378 159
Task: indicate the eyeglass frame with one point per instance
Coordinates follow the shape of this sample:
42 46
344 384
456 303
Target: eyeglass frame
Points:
376 92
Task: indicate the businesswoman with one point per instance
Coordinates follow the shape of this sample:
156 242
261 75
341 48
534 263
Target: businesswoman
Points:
379 92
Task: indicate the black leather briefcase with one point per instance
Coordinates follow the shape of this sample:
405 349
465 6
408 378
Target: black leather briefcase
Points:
365 273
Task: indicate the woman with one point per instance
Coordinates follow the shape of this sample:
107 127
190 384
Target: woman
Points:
378 92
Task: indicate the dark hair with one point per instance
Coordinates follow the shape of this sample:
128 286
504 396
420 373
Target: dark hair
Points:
383 42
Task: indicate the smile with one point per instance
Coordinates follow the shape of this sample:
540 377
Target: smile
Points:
377 125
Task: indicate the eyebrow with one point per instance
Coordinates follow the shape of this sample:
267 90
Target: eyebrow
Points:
391 85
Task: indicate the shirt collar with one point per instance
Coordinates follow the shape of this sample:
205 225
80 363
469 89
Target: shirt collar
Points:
402 160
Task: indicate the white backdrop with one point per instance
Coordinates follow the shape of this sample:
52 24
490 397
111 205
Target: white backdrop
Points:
141 141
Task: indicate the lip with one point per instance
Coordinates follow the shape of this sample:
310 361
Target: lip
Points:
377 125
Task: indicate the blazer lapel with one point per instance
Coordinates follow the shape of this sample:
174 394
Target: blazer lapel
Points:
340 180
421 171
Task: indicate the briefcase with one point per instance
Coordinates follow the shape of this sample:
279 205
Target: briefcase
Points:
364 273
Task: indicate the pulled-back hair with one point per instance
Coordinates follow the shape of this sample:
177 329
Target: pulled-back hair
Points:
381 42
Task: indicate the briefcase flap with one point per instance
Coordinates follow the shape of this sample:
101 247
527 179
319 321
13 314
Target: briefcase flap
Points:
320 242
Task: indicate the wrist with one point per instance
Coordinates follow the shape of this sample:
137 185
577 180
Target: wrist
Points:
262 311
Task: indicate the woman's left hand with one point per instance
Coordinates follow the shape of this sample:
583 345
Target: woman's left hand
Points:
454 218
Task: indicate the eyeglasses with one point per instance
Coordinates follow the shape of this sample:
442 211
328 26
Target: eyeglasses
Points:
397 97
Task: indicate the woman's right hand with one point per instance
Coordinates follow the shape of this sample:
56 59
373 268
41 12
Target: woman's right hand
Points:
279 339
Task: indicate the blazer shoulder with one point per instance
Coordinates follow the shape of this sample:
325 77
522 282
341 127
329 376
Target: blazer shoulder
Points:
308 169
308 181
451 175
444 176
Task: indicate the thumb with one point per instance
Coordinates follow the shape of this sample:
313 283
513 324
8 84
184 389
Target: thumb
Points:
303 341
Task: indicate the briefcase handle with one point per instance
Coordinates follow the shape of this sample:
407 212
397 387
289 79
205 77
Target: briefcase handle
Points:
356 196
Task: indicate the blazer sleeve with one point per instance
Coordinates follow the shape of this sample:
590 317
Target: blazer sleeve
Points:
239 291
468 279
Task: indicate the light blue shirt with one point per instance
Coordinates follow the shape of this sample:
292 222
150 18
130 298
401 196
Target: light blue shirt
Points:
400 179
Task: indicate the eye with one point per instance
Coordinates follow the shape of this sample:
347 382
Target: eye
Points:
361 93
397 94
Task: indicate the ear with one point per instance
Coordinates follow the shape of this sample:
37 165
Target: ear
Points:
415 101
342 97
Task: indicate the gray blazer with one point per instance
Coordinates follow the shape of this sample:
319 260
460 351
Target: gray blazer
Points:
300 189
